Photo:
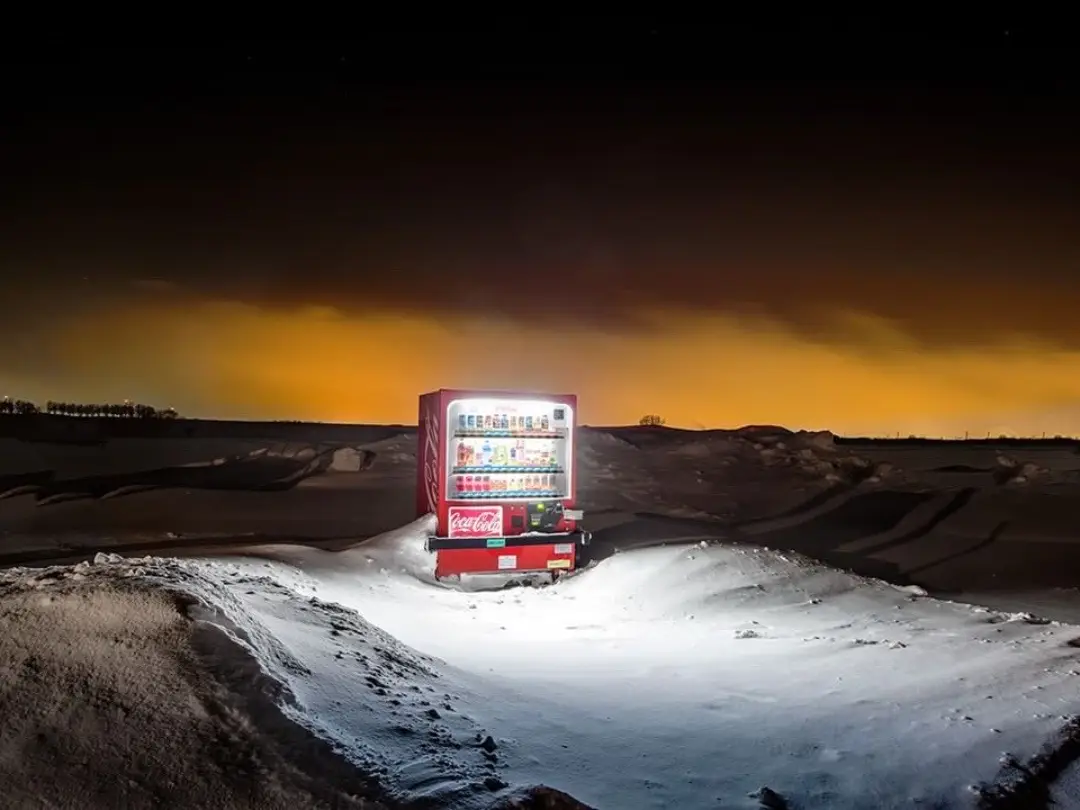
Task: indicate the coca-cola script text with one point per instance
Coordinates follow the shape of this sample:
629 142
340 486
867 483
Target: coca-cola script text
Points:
476 521
430 459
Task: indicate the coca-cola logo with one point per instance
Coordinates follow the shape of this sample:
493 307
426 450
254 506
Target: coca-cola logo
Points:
476 521
431 457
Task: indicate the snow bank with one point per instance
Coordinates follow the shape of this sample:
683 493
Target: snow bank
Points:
112 697
685 676
680 677
810 454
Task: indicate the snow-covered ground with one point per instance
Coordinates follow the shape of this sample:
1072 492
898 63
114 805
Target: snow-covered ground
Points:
716 675
683 676
111 696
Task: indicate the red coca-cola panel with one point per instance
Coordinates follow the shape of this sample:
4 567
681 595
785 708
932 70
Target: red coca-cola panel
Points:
557 558
475 521
430 456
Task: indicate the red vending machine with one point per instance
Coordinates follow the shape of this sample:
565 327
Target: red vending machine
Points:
497 470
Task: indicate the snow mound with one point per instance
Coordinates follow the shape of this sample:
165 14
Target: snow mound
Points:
347 459
316 677
621 683
395 451
1008 470
812 454
187 683
109 701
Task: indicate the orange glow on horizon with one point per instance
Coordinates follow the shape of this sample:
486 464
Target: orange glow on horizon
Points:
229 360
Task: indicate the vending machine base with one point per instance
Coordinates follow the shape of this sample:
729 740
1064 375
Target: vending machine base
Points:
552 553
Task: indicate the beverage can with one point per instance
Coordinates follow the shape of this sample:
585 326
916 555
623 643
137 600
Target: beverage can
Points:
545 424
468 484
470 422
462 422
487 421
485 485
528 423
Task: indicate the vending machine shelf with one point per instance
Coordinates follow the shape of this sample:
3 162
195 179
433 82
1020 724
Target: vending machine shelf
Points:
504 470
506 434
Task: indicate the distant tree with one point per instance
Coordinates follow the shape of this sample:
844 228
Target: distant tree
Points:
106 410
652 420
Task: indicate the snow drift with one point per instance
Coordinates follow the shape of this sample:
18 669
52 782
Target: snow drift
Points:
682 676
113 697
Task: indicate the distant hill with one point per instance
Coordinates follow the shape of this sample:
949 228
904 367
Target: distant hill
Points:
51 428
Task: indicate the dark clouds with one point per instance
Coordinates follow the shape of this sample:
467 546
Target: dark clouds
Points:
949 210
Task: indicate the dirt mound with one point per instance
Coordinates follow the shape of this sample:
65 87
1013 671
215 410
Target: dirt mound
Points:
808 453
1008 470
108 703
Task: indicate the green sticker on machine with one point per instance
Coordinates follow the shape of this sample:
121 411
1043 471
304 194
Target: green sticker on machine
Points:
496 542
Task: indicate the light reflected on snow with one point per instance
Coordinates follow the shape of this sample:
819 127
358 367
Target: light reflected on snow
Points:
654 660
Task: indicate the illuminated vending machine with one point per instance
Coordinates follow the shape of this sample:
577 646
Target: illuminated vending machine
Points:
497 470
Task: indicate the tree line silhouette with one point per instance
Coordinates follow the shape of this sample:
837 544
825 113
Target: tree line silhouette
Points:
112 410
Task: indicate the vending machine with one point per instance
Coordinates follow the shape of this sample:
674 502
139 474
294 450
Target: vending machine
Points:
498 471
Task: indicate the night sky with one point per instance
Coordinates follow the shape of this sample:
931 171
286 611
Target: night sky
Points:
324 230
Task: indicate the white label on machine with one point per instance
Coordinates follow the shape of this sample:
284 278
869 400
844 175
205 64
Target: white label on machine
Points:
507 561
564 548
573 514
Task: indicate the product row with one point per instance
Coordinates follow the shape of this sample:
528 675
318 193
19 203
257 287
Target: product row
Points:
506 453
513 422
508 484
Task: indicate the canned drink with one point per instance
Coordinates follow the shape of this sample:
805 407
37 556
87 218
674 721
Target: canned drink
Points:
470 423
462 422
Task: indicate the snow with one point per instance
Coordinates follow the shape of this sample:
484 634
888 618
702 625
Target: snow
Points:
666 677
693 674
1066 790
106 703
629 684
